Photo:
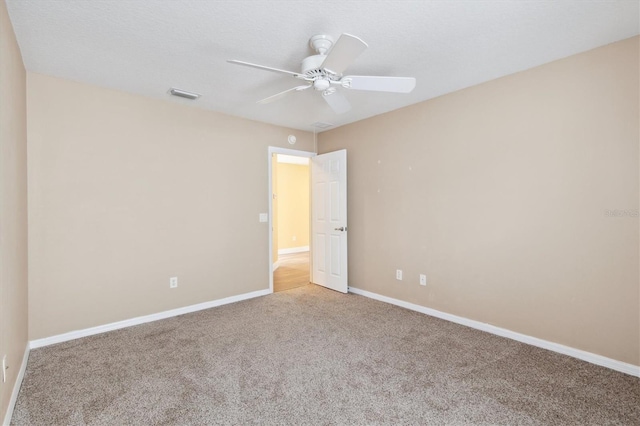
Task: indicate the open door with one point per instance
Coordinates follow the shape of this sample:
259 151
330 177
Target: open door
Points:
329 220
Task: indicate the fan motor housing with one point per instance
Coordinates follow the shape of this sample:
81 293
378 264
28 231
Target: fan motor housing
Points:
312 63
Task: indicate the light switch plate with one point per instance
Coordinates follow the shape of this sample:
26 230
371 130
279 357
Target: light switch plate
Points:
263 217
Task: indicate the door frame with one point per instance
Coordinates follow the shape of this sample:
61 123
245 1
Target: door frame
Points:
285 151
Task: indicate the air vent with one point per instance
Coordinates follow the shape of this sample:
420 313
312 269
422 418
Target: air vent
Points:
321 125
183 94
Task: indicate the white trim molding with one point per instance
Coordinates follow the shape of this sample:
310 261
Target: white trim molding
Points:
144 319
276 265
623 367
16 387
292 250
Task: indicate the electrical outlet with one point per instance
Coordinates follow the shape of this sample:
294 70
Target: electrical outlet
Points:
5 367
294 238
399 274
423 279
173 282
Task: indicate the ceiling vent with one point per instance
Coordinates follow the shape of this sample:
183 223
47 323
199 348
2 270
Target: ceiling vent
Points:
183 94
321 125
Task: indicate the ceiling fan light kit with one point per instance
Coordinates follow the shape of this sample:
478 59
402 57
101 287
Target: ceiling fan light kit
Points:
323 72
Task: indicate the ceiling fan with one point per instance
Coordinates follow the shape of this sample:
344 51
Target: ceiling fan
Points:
323 72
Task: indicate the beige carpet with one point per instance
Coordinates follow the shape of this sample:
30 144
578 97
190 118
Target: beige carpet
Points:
313 356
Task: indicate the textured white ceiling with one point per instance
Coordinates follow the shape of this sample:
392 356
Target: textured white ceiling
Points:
148 46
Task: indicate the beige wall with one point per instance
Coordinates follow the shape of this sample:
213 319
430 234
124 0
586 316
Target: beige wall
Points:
125 192
498 193
13 207
293 205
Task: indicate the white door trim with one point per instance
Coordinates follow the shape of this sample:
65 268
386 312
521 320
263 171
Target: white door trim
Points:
276 150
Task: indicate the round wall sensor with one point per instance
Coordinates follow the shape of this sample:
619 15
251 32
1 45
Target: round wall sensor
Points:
292 139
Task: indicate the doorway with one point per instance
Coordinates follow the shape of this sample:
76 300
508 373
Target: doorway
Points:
289 205
291 222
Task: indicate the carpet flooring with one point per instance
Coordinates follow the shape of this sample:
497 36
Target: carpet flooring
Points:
314 356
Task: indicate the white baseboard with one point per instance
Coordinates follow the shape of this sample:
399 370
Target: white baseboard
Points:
603 361
38 343
292 250
275 265
16 387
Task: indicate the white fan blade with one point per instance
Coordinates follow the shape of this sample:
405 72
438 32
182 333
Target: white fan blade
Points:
345 51
262 67
379 84
282 94
336 100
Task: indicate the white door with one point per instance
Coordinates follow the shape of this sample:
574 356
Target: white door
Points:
329 220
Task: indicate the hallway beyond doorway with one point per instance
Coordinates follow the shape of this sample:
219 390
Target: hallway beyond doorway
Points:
292 272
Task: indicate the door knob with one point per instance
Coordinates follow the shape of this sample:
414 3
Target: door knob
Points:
342 228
